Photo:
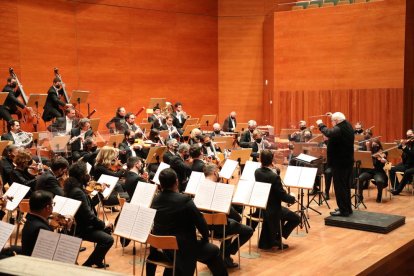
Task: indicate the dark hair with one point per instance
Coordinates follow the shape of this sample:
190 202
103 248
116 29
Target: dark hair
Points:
117 111
59 163
77 173
88 142
10 124
154 132
266 158
68 110
8 149
128 115
177 104
127 132
9 79
39 200
132 161
56 80
156 107
168 178
195 150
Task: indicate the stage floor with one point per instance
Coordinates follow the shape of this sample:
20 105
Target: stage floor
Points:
325 250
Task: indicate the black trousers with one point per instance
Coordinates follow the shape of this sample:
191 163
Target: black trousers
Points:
5 114
380 178
103 241
342 178
205 253
328 179
51 114
407 177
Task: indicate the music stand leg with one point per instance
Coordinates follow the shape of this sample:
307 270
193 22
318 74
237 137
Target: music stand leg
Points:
358 198
250 254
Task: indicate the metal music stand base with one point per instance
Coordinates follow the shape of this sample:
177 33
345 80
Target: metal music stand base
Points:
304 221
251 255
320 200
298 234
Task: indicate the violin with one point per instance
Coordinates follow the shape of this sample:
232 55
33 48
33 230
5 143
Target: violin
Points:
95 186
37 168
4 199
116 165
58 221
61 179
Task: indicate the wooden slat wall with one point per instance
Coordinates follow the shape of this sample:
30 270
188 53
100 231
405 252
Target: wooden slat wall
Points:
123 51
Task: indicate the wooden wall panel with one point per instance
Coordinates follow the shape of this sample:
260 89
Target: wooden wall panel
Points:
268 69
10 52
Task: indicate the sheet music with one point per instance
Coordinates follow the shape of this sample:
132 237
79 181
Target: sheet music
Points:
88 167
160 168
222 198
292 176
260 194
65 206
204 194
249 169
45 244
126 220
6 229
143 194
67 249
111 181
58 203
228 168
306 157
143 224
307 177
18 192
243 191
195 179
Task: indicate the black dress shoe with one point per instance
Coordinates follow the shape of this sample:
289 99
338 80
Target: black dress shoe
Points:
378 200
326 195
339 214
229 263
395 192
102 265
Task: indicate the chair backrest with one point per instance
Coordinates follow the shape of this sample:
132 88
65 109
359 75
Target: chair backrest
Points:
215 219
163 242
24 206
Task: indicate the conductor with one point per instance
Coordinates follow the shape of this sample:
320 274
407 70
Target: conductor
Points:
340 155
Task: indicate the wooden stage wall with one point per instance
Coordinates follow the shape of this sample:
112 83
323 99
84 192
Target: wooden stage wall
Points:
122 54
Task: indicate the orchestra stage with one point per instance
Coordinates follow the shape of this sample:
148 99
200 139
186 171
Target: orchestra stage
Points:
325 250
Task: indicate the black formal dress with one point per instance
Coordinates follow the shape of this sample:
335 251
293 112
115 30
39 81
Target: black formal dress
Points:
89 227
47 181
274 213
10 104
178 216
51 108
340 158
125 151
30 232
182 170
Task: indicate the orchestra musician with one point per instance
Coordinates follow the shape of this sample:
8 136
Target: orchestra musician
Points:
88 226
379 160
129 148
51 180
11 104
107 162
157 119
181 164
358 129
179 116
51 108
173 131
303 135
217 130
178 216
155 139
195 136
208 147
90 151
21 174
230 123
406 166
130 125
197 156
135 174
116 124
246 138
65 124
7 164
13 128
41 207
172 148
340 158
78 136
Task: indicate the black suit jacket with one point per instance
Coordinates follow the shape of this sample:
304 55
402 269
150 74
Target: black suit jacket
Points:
166 158
155 122
178 216
24 178
245 140
7 136
11 103
227 125
47 181
7 168
76 146
86 218
198 165
176 122
52 102
131 181
182 169
60 124
125 152
340 152
118 122
30 232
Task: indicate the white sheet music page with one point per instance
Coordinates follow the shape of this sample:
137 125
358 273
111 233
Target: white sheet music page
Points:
6 229
307 178
58 203
126 220
70 208
249 169
243 191
260 194
18 192
67 249
160 168
109 180
143 224
228 168
204 194
195 179
88 167
222 198
45 244
292 176
306 157
144 194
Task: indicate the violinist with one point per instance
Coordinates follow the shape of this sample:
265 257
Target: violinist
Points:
154 138
130 124
135 173
129 148
107 162
379 159
51 180
88 226
358 130
172 147
12 103
51 108
303 135
156 118
209 149
181 164
259 144
7 165
173 131
407 165
25 172
195 137
65 124
90 151
246 138
78 136
217 132
116 124
41 207
197 156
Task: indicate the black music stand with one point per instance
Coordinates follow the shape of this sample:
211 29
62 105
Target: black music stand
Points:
363 160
